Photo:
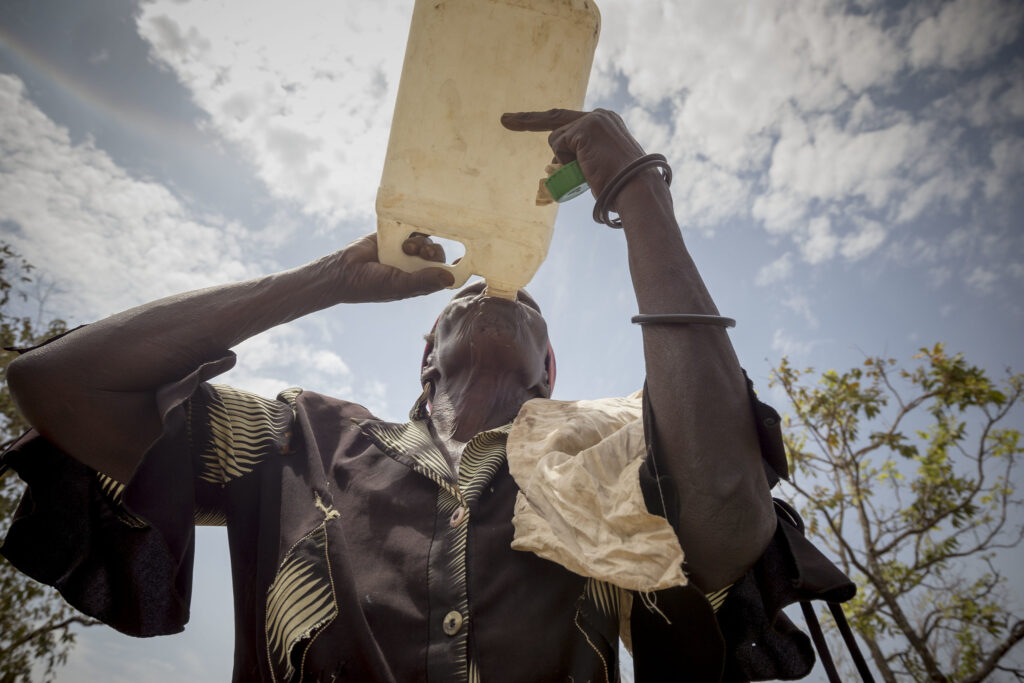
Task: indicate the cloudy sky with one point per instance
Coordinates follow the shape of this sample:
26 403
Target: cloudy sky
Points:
847 175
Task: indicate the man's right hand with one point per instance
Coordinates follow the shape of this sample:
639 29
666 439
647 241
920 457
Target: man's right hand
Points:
364 278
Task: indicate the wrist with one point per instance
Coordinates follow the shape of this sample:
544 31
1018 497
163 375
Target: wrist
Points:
326 280
646 192
637 171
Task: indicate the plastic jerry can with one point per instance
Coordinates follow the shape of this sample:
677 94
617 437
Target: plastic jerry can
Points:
452 170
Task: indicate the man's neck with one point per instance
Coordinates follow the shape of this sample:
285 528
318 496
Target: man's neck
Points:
463 408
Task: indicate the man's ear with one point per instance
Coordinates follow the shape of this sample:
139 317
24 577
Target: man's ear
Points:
545 386
429 372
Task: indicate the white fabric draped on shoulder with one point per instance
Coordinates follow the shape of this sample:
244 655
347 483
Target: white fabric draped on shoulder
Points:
577 466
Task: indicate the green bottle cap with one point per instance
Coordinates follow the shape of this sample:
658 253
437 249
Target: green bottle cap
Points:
567 183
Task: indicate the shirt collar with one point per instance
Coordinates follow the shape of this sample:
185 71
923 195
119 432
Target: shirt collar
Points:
410 444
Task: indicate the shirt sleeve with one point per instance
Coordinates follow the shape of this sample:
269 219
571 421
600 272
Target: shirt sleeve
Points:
123 552
231 434
754 639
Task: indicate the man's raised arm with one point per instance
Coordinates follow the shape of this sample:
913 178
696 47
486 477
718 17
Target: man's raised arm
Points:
705 439
80 390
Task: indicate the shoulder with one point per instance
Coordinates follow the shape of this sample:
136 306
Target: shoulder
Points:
292 400
315 404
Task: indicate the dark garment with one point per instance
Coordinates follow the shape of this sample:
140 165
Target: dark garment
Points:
350 555
754 639
357 555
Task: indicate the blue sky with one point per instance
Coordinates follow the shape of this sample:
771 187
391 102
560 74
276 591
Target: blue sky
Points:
847 176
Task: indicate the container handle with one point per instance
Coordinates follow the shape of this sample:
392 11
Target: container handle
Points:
391 235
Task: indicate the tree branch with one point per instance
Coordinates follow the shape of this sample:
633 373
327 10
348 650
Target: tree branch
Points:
990 664
46 628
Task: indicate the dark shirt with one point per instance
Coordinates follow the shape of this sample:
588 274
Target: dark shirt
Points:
357 555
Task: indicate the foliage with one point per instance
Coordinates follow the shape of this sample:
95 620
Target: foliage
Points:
906 475
34 620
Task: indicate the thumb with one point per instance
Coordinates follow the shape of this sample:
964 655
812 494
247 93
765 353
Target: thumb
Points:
428 280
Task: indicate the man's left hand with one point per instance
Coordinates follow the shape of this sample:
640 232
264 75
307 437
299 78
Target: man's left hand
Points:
598 140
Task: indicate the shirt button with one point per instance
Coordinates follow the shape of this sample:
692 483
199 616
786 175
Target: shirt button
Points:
452 623
457 517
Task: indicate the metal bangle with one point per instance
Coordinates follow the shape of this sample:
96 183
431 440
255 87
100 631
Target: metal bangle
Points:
683 319
612 189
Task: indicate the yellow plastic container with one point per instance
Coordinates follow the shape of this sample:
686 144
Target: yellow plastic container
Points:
452 170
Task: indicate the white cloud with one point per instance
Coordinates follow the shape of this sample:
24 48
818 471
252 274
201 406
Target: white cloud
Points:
983 258
964 32
111 240
780 110
863 113
821 242
730 68
778 270
741 79
857 245
784 110
297 355
306 89
705 194
946 190
780 212
787 345
817 160
328 362
994 99
375 397
99 57
294 352
982 279
645 126
799 303
1008 165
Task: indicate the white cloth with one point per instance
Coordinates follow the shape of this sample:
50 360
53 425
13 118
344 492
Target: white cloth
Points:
577 466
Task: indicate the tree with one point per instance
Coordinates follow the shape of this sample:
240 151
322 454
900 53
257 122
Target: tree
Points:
906 475
35 622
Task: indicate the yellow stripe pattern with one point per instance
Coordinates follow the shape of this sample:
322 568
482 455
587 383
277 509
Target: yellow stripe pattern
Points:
244 429
412 445
300 602
717 598
605 596
113 491
209 517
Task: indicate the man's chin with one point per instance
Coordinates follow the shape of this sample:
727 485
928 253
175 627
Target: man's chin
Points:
500 344
495 320
495 329
497 335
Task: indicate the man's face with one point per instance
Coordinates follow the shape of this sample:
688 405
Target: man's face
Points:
492 335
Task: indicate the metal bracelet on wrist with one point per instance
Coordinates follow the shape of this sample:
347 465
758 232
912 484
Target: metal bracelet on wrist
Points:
612 189
682 318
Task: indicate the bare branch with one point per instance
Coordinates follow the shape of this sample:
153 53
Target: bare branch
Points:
1016 634
46 628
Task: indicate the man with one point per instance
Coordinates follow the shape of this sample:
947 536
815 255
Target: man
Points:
364 550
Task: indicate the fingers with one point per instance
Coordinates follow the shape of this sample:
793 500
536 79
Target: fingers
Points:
557 121
420 245
424 281
564 142
540 120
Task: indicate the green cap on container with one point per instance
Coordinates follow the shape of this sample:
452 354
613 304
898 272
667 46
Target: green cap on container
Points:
567 183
